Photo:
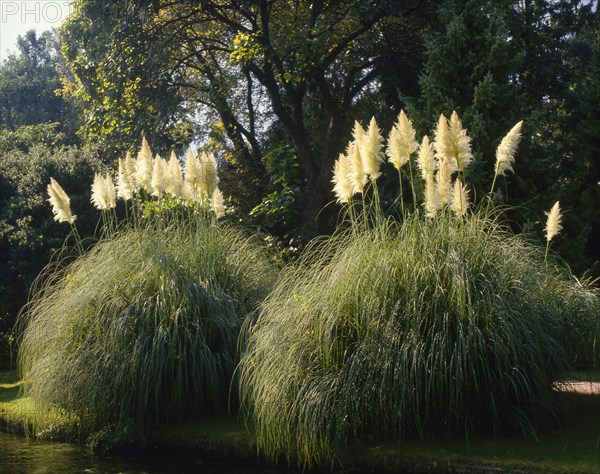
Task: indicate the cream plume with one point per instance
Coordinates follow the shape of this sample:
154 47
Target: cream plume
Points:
444 181
175 185
125 189
144 166
218 205
401 142
358 132
342 188
460 199
160 177
505 153
371 147
187 191
441 142
358 178
432 203
425 159
131 169
209 172
104 194
61 203
553 222
460 143
194 179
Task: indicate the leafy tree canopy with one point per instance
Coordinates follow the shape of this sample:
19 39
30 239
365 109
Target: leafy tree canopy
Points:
309 65
28 233
28 81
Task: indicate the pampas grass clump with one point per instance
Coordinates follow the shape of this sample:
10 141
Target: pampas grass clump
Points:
142 330
444 322
426 327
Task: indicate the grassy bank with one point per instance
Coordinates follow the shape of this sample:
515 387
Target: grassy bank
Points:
19 414
573 449
14 410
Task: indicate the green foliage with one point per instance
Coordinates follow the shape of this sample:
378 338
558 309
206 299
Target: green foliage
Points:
469 68
279 209
120 78
579 165
23 138
424 327
7 351
28 233
500 62
28 81
160 66
143 329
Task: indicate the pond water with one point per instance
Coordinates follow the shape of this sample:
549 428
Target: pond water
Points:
22 456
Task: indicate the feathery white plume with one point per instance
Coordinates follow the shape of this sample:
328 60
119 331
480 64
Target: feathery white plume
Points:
358 178
553 222
441 142
194 179
187 191
358 132
401 142
444 181
505 153
175 185
104 194
160 176
144 166
425 159
209 172
125 189
432 202
460 143
131 169
371 147
342 188
61 203
218 205
460 199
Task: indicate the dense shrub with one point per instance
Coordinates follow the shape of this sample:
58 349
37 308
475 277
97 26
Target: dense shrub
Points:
28 233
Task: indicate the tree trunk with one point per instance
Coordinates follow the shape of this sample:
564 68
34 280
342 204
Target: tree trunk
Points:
248 164
318 209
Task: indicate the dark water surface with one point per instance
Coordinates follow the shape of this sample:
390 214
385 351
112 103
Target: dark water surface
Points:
19 455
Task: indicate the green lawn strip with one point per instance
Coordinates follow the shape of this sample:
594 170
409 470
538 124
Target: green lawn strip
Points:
9 386
573 449
14 410
18 414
